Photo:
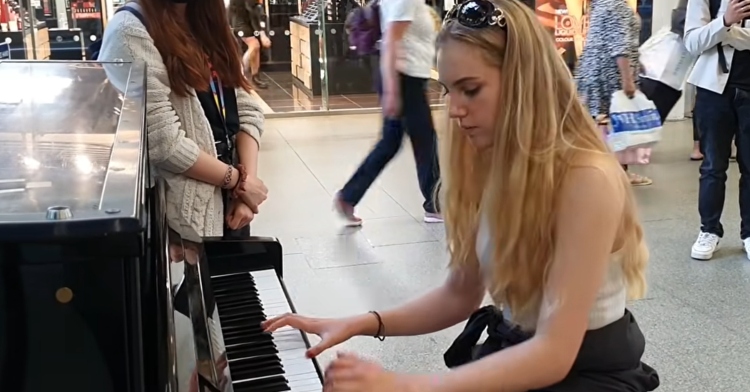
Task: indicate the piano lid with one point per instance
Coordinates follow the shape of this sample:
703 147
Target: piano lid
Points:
71 148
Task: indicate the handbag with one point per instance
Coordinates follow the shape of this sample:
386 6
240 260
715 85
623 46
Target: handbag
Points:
665 59
635 126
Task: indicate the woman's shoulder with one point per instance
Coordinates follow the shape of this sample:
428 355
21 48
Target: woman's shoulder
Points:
125 24
598 170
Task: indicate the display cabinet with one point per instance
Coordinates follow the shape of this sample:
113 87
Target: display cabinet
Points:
320 51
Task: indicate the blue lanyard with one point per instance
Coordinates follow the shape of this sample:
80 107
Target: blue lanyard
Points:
218 93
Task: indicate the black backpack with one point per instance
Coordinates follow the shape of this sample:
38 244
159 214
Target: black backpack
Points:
93 49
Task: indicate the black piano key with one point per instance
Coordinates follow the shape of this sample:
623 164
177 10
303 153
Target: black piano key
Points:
268 384
241 303
254 363
245 351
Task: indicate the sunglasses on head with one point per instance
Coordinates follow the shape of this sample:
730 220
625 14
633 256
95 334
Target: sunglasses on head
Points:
477 14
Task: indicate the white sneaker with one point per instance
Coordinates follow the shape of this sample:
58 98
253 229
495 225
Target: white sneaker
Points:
746 242
705 246
433 217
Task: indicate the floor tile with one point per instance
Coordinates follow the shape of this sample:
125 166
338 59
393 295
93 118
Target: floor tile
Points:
695 316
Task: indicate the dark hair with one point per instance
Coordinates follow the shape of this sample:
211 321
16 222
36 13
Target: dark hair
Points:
188 48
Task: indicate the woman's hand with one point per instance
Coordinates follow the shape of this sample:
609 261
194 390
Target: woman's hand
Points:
240 215
255 193
349 373
737 11
264 41
330 331
628 87
391 105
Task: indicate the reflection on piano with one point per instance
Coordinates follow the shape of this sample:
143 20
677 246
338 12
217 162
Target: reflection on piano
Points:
218 318
227 350
97 294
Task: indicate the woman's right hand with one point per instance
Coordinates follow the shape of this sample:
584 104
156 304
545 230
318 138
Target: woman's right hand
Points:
330 331
629 87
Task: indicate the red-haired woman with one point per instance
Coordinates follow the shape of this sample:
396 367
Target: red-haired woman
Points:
204 130
204 126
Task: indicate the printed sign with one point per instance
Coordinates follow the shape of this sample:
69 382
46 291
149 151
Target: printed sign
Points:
4 51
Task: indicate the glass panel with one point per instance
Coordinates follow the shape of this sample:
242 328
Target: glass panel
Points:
58 123
67 28
350 76
26 37
290 71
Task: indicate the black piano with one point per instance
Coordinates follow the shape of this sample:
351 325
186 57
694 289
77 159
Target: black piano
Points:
97 293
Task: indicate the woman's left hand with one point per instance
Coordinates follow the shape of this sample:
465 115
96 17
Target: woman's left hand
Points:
349 373
265 41
240 215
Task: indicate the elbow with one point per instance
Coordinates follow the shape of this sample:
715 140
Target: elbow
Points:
252 131
691 44
175 155
561 357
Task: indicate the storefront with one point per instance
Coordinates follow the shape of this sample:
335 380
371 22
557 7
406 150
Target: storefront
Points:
52 29
310 66
324 73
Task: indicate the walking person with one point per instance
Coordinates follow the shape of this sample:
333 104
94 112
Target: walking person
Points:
247 18
609 61
716 31
407 56
539 217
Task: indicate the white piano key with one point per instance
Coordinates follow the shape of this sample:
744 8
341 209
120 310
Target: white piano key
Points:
299 371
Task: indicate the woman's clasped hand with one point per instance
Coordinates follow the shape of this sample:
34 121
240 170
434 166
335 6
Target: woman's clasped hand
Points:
348 372
243 209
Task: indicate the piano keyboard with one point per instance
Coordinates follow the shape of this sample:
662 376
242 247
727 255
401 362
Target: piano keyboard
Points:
257 361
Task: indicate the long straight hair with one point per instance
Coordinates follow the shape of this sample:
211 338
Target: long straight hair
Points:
188 47
541 128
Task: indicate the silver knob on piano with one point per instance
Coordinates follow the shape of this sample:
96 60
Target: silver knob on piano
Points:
59 213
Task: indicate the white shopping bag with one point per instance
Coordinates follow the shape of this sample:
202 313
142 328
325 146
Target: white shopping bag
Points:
634 122
664 58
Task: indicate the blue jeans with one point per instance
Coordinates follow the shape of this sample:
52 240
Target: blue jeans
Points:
415 121
721 118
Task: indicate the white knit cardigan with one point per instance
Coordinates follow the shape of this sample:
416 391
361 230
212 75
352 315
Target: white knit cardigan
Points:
177 130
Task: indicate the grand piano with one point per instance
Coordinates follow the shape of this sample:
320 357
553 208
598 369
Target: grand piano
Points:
97 293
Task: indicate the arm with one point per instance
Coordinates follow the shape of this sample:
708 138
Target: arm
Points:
702 33
399 16
251 129
617 44
168 147
441 308
626 69
591 207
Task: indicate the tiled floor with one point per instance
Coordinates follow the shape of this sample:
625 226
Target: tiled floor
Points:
695 317
282 96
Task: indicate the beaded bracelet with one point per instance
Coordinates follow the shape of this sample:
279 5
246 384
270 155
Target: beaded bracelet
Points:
227 178
239 189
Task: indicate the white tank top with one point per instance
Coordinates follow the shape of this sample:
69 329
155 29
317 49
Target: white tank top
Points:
610 302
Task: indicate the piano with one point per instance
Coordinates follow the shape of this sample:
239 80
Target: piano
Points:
97 292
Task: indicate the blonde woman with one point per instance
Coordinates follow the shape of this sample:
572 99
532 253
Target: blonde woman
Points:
538 213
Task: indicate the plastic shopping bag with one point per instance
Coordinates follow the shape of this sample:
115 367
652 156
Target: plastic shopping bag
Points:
664 58
635 126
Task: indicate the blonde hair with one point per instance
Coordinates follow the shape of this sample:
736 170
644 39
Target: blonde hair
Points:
541 126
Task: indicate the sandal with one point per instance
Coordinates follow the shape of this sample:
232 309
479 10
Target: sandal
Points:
639 180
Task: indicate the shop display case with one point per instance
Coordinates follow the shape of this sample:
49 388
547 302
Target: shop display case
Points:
27 38
279 12
320 51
